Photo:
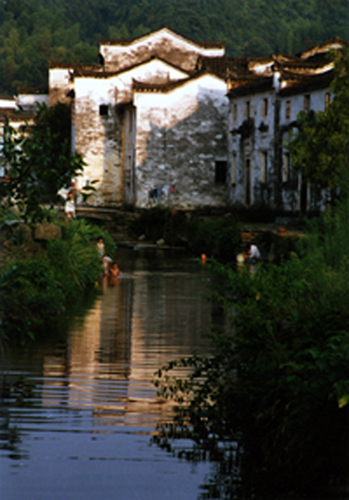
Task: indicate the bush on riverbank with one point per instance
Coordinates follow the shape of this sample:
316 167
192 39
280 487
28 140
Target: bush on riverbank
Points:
37 285
280 377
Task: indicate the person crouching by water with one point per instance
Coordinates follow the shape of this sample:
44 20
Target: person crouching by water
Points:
114 273
253 254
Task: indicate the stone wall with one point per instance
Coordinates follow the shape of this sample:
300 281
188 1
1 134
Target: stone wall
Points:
180 136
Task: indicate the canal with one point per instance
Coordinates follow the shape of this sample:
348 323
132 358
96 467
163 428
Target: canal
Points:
79 412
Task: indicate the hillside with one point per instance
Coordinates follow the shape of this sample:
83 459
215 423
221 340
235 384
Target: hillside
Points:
34 31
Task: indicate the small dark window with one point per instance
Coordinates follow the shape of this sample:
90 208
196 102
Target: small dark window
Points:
235 112
233 171
221 172
265 107
264 167
103 110
327 99
307 102
288 109
247 109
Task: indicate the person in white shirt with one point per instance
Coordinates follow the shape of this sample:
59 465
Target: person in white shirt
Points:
254 253
69 207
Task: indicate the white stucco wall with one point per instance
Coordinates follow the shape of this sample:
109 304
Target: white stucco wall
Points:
270 139
252 147
180 135
8 103
30 101
60 83
317 103
99 138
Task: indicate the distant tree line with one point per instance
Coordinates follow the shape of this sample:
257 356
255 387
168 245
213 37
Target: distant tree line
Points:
34 31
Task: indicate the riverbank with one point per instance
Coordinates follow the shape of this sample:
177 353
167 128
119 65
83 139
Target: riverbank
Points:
42 276
42 266
275 238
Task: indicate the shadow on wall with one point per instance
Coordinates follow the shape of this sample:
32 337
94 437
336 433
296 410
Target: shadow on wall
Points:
185 165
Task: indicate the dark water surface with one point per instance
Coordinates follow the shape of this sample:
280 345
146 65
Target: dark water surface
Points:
78 420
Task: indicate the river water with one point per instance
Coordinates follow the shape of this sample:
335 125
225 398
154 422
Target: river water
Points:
79 411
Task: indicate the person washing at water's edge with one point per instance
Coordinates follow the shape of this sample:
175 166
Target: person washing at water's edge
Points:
252 255
114 273
106 261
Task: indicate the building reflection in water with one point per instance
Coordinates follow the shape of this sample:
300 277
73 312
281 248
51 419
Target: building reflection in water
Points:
150 317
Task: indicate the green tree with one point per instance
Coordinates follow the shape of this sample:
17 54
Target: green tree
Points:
320 149
39 161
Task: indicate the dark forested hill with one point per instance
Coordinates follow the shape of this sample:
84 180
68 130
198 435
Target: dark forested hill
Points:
33 31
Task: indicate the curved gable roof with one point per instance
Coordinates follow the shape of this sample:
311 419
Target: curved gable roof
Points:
165 30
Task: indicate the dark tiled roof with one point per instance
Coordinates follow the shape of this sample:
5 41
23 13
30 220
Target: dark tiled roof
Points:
223 66
250 86
303 64
322 47
14 116
157 87
305 83
167 87
74 66
100 73
216 45
21 89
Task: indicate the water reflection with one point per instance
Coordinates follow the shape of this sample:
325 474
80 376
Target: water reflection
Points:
98 382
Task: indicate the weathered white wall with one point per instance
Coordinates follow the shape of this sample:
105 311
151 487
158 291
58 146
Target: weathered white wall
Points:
291 191
266 135
100 138
153 71
249 138
60 84
31 101
180 134
8 103
317 103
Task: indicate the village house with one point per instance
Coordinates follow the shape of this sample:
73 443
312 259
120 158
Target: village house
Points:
164 119
150 125
266 95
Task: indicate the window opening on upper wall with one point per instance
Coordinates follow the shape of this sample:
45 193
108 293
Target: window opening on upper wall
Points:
247 109
265 107
235 112
233 172
103 110
264 167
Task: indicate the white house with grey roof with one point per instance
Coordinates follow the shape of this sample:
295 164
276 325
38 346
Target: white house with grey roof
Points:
150 125
265 99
